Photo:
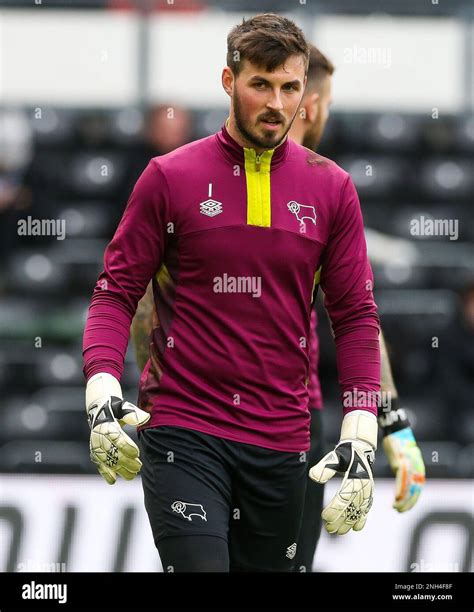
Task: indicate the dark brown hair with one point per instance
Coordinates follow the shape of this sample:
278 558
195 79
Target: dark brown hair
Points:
319 67
267 41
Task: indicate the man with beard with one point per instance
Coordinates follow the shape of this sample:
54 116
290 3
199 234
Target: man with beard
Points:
236 231
406 460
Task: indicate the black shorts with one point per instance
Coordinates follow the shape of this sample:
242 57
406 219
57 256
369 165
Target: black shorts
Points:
249 496
313 505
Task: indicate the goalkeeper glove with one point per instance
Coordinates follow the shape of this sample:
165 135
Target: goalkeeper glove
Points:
110 447
353 458
404 456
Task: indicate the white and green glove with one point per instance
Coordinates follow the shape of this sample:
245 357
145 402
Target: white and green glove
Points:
404 456
110 447
353 458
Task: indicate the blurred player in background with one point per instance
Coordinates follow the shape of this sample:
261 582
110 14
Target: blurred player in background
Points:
223 418
455 365
399 444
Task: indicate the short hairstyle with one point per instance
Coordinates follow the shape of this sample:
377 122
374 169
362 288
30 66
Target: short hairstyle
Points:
319 68
267 41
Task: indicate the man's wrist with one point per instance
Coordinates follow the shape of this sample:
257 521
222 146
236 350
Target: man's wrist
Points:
102 385
360 425
392 418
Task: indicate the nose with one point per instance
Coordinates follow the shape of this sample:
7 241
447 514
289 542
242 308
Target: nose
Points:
274 102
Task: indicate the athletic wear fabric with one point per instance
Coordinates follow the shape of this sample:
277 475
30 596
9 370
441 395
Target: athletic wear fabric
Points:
194 554
234 242
313 502
315 396
200 485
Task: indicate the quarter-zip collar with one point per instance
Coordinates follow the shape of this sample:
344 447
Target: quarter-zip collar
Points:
238 154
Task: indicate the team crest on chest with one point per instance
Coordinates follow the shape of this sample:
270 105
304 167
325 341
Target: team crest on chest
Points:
302 211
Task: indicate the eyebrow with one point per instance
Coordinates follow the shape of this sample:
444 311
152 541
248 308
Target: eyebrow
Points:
259 78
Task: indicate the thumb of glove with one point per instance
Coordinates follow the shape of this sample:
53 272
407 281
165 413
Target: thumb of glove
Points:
127 413
326 468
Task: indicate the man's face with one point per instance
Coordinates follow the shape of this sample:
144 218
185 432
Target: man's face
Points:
265 103
315 131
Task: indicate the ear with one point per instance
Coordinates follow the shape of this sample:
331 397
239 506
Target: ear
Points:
312 107
227 80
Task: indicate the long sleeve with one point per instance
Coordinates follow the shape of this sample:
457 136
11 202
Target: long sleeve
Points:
347 282
131 259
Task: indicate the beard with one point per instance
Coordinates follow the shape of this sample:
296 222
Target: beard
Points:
270 140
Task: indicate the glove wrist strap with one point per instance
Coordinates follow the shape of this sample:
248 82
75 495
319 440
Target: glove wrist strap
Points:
360 425
102 385
394 420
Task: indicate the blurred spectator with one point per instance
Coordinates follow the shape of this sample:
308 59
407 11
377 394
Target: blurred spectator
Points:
167 127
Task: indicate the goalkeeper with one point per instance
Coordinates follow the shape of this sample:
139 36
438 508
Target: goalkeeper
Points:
233 230
399 444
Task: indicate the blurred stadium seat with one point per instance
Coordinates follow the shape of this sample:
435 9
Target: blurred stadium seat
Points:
448 178
52 127
96 174
45 457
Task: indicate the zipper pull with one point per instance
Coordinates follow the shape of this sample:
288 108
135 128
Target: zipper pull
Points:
257 162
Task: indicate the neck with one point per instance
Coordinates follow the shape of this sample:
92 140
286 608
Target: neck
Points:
237 136
297 131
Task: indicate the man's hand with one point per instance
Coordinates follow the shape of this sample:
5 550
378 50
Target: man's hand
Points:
353 458
111 448
404 456
407 464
